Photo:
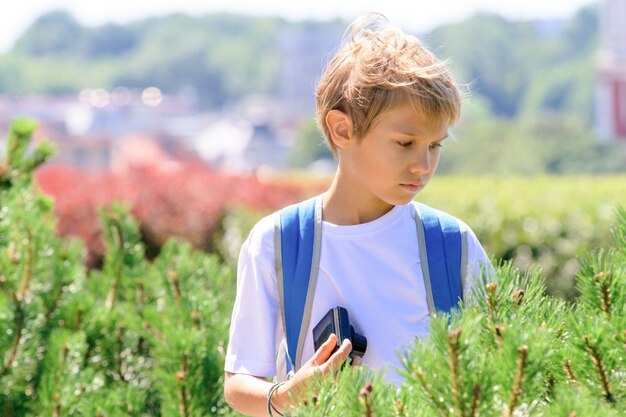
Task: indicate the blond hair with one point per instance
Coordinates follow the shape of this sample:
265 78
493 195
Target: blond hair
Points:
379 66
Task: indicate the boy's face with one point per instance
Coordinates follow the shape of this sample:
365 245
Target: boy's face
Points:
397 157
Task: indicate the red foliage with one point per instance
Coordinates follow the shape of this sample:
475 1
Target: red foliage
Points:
188 202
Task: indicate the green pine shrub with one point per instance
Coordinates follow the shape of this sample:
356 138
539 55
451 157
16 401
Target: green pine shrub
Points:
136 338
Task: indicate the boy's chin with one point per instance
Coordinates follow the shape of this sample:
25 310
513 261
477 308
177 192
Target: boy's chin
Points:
404 200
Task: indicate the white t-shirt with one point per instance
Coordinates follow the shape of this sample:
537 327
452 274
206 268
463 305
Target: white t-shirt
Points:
371 269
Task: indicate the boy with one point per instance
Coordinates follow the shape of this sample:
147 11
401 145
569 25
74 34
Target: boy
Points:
385 105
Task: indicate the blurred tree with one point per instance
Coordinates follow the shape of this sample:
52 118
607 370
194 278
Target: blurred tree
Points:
565 81
10 73
549 143
580 34
222 56
566 88
491 54
110 40
310 145
56 32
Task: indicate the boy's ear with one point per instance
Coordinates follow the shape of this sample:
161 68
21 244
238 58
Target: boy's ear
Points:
340 128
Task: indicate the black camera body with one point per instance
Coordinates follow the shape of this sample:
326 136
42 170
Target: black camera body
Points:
337 321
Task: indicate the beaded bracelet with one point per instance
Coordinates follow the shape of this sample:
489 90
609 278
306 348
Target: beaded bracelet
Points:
270 394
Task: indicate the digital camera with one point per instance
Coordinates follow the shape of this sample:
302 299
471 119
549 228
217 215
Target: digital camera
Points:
337 321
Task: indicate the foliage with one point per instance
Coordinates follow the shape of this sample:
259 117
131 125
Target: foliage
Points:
135 338
550 144
18 166
547 221
211 54
187 203
309 146
56 32
505 61
490 38
513 352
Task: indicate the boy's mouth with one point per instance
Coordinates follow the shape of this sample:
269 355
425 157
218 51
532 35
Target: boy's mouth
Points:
413 187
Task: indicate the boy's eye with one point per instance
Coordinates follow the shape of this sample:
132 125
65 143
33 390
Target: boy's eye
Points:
405 144
436 145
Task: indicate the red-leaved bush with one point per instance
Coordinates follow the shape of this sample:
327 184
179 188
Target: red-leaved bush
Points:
187 202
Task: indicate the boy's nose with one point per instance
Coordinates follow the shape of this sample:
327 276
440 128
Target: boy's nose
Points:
421 164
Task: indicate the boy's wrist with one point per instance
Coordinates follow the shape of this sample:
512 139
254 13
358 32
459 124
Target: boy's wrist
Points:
281 398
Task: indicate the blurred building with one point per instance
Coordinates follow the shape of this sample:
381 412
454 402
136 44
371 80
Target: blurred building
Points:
250 135
110 130
611 90
305 50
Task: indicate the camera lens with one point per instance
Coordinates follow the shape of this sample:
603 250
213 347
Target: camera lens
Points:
359 343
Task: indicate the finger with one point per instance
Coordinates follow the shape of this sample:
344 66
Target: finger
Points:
324 352
338 357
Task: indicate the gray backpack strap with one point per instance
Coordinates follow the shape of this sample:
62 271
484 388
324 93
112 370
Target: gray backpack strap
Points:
281 357
281 363
464 266
421 241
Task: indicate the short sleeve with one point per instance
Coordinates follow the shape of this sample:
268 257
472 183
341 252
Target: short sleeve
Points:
252 345
479 267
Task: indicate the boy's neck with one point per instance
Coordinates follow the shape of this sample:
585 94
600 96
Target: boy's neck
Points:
349 204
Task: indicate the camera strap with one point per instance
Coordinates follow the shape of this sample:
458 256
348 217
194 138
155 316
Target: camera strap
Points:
297 247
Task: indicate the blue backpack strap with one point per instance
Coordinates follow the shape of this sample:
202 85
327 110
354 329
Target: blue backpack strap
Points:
443 253
297 245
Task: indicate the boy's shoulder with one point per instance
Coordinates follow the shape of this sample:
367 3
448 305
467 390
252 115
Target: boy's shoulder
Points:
262 233
260 240
462 225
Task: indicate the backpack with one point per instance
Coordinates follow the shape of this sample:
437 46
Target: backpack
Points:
297 244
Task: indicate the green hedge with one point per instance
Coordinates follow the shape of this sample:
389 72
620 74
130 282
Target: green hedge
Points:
535 221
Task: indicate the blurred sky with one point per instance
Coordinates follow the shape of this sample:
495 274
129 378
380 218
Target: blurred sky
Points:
413 15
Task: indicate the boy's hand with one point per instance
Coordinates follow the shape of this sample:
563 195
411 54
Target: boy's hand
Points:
322 362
